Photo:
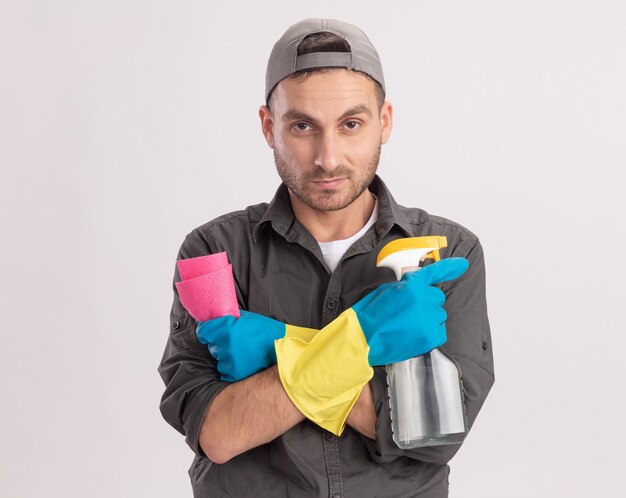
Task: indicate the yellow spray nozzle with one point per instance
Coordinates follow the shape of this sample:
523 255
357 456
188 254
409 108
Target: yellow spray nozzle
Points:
407 253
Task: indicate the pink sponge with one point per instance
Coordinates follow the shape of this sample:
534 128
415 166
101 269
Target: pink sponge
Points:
207 289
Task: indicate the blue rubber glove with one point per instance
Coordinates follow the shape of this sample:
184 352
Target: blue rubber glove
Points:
244 346
406 318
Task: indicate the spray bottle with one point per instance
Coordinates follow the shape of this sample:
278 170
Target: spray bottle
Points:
425 392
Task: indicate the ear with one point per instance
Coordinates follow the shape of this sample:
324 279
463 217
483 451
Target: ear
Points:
267 124
386 121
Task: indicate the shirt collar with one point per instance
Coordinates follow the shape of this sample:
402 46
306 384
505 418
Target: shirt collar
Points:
279 213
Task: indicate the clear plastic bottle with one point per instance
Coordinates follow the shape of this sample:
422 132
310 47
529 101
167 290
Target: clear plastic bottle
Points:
426 398
426 392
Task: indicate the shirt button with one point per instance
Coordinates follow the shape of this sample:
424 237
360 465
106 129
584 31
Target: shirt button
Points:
330 437
176 325
330 304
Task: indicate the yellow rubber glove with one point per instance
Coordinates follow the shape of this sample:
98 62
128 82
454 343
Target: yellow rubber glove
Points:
323 377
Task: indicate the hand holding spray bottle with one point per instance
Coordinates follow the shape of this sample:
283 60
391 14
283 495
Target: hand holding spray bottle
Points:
425 392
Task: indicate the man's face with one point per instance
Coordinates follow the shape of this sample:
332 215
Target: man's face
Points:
326 131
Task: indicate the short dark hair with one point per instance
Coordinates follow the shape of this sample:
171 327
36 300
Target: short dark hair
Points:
327 42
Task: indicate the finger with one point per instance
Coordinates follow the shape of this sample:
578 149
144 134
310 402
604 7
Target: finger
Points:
210 330
443 271
435 296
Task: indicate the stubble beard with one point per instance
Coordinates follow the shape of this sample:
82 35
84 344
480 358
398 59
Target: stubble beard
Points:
297 182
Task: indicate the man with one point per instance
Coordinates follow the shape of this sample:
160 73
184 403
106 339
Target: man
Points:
307 258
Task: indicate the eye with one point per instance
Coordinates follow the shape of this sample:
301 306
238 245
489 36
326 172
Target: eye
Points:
301 126
352 125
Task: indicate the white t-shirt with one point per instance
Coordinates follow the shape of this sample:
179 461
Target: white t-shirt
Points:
334 250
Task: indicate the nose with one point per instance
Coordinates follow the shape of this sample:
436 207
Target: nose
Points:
327 153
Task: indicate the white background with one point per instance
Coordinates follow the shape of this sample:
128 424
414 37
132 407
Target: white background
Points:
126 124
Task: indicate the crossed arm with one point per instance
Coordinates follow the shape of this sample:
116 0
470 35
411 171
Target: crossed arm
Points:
257 410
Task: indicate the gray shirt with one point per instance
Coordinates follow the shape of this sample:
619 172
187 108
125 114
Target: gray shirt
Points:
279 272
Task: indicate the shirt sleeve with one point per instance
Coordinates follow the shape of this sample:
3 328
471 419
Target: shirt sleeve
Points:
187 368
469 344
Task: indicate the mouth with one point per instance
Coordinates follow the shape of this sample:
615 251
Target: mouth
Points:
329 183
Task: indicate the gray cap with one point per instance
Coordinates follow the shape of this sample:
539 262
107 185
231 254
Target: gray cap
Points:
284 59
